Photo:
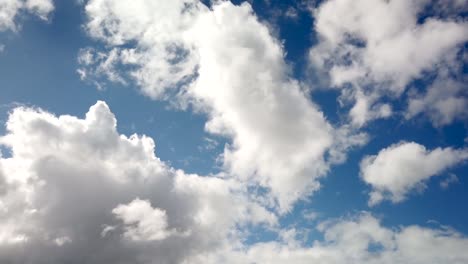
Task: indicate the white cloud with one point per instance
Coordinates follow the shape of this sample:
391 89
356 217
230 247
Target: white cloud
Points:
143 222
398 170
373 49
451 179
444 101
70 191
223 62
72 194
40 8
11 9
279 137
162 59
360 240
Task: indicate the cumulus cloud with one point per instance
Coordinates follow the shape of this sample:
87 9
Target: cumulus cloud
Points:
11 9
142 221
400 169
74 190
360 239
221 61
72 195
374 49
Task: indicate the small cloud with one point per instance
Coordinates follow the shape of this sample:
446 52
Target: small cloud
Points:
60 241
107 229
82 73
451 179
310 215
291 13
209 144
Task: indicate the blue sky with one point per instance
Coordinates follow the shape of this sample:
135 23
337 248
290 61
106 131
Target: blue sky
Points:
331 65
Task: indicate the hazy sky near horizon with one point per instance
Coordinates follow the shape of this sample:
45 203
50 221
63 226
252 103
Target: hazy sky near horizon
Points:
261 131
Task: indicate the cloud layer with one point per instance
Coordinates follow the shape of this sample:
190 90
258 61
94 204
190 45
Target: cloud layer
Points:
358 240
74 190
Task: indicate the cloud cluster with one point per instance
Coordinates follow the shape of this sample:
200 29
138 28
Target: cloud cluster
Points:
399 169
221 61
374 49
143 222
75 191
356 240
11 9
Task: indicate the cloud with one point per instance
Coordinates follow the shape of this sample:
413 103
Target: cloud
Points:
451 179
223 62
374 49
76 190
142 222
399 169
11 9
361 239
444 101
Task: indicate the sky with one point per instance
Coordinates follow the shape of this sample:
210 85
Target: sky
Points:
261 131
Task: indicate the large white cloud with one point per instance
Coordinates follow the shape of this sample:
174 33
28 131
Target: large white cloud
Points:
11 9
358 240
224 62
374 49
74 190
400 169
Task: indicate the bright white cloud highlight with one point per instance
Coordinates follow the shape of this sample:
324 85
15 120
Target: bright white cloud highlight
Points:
400 169
142 222
373 49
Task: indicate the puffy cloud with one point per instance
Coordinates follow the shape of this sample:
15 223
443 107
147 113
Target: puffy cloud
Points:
142 221
221 61
360 240
401 168
72 196
279 137
11 9
373 49
74 190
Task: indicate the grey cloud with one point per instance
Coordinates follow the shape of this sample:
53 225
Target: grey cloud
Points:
71 174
